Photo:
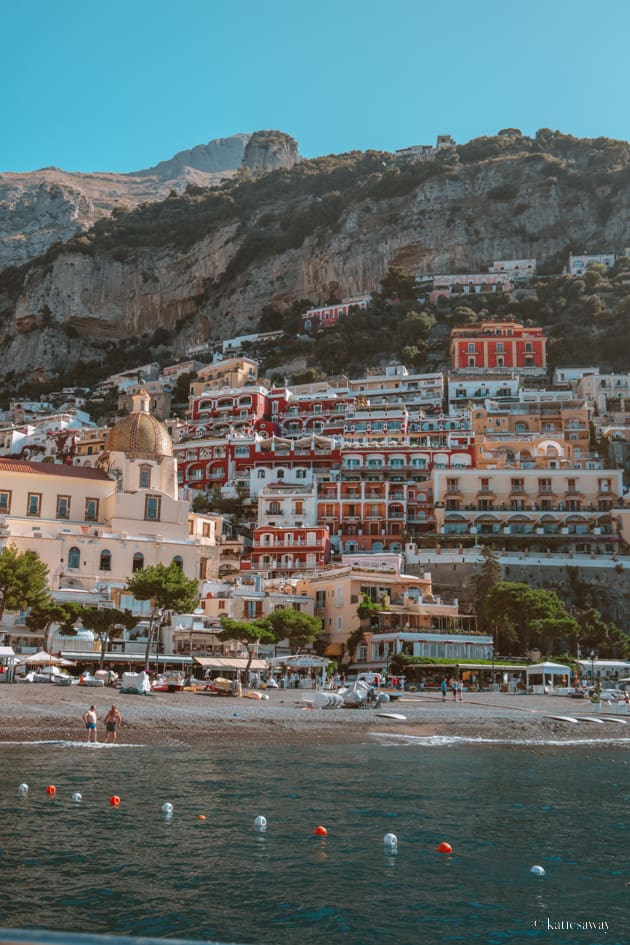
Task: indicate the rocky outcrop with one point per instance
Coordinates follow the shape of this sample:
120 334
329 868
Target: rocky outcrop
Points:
48 206
270 150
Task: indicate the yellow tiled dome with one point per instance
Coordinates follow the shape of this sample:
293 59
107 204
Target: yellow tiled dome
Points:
139 433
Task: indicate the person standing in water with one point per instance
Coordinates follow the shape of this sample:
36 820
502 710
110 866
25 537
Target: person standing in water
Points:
89 718
112 721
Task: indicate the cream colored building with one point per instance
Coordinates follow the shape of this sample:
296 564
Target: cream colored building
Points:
93 527
231 372
567 508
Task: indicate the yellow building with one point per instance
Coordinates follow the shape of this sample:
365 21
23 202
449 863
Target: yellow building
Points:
400 602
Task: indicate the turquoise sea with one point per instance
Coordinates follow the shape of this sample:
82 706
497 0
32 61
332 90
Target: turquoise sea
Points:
131 870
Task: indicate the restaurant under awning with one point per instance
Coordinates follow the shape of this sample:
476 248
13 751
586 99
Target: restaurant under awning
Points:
230 663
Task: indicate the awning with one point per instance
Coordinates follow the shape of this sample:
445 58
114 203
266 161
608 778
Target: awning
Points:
93 657
233 663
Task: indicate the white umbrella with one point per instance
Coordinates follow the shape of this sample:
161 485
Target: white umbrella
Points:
42 659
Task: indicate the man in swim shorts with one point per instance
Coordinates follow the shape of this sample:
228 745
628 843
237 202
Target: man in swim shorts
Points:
112 721
89 718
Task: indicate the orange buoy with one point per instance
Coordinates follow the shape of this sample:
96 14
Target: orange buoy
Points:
51 790
445 848
114 800
201 816
320 831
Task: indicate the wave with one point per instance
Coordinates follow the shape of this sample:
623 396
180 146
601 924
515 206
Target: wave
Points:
67 743
441 741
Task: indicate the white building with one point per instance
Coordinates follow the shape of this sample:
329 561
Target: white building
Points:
579 264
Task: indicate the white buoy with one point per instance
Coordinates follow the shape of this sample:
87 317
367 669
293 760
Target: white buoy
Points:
23 789
167 809
537 870
77 798
260 823
390 840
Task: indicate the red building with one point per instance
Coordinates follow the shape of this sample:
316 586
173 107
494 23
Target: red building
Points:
205 463
284 551
499 346
327 315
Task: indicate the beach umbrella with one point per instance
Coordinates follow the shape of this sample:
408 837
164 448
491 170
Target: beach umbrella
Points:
43 659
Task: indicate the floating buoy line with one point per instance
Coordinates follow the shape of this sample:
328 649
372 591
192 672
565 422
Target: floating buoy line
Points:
390 840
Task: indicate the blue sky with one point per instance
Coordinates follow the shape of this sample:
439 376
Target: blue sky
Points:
122 84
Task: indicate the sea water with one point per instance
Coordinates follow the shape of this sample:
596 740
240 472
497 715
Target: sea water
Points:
131 870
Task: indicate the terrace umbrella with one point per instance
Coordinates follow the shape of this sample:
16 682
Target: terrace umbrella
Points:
43 659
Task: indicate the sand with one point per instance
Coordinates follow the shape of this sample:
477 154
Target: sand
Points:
42 712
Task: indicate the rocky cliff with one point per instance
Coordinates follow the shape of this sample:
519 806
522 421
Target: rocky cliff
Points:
43 207
202 264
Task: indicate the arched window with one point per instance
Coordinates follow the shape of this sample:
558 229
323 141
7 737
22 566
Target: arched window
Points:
179 561
138 562
105 563
74 558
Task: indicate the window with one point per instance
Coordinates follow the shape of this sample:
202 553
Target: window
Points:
152 508
5 501
471 347
499 347
105 564
544 485
138 562
253 609
179 561
274 508
91 510
261 473
145 477
320 599
298 507
74 558
63 506
300 474
34 503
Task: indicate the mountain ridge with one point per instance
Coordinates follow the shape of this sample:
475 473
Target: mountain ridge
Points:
203 263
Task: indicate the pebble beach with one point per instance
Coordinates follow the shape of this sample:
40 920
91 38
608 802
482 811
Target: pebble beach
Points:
40 712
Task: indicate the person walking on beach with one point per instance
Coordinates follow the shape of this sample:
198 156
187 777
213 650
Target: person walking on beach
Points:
112 721
443 687
89 718
460 690
454 688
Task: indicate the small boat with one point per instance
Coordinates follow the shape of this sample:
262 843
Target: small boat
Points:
168 683
62 680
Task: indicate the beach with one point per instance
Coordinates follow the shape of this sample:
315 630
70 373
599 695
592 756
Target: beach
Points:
41 712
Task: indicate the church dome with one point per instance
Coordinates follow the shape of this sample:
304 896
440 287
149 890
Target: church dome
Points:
139 432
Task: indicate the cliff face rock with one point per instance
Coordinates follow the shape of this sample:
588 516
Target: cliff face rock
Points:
47 206
202 265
